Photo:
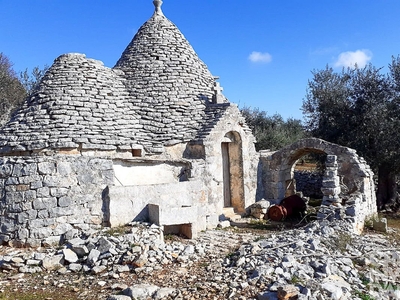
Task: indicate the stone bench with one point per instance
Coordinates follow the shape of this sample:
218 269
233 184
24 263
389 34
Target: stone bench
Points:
175 220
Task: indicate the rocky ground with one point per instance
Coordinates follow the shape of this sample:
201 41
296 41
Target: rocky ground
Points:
317 261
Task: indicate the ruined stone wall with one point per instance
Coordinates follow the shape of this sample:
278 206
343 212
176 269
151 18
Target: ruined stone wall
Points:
45 197
352 181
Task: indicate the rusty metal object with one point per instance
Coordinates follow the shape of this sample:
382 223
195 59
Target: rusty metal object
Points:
289 206
294 204
277 213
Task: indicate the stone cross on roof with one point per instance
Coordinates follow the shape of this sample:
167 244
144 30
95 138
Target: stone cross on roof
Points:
218 97
157 4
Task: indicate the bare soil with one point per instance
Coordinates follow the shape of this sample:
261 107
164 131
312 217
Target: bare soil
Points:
54 286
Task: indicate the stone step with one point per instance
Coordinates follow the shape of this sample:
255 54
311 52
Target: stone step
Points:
229 213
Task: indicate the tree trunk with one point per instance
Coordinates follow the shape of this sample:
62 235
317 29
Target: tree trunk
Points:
387 187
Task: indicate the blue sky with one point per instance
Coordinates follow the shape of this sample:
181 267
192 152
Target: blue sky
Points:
263 51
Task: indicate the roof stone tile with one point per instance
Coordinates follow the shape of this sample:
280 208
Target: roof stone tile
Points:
159 91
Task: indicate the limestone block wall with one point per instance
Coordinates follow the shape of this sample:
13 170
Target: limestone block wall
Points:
131 202
131 172
45 197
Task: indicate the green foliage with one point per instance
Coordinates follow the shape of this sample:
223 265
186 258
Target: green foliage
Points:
296 281
363 296
116 231
359 108
339 242
259 238
272 132
31 80
231 254
351 108
14 89
12 92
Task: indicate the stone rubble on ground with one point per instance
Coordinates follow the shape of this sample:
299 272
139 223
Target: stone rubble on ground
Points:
319 261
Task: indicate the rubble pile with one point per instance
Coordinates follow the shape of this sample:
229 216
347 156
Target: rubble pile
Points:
320 261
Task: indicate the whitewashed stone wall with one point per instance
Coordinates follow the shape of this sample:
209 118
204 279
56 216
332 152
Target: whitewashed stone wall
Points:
229 121
188 200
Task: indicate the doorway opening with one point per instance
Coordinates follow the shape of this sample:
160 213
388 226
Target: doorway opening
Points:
232 168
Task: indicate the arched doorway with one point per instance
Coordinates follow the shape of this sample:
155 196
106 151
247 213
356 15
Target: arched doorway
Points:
232 167
307 173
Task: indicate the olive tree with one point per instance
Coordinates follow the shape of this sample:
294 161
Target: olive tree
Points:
15 88
12 92
360 108
272 132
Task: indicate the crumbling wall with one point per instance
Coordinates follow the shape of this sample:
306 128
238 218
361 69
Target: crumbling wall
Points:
354 198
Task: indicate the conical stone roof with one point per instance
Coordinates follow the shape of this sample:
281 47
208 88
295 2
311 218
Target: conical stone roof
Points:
159 93
166 79
79 104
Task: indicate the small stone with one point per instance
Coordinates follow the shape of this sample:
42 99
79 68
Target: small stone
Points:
102 283
70 256
380 225
93 256
104 245
53 262
119 297
335 291
163 293
98 269
287 292
224 224
122 269
75 267
140 262
141 291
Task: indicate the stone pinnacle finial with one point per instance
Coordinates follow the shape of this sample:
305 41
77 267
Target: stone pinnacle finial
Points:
157 4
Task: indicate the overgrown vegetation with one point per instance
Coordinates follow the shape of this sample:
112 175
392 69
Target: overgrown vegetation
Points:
119 230
363 296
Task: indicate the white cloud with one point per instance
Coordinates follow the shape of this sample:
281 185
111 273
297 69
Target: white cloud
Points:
258 57
350 58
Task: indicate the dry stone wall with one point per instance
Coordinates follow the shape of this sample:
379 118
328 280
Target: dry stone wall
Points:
348 185
309 183
43 198
229 122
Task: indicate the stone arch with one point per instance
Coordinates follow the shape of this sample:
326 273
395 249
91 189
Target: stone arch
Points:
356 177
290 184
